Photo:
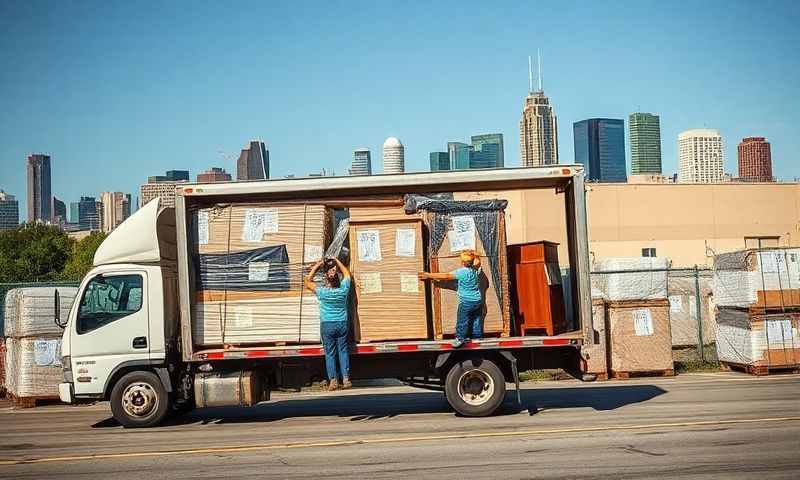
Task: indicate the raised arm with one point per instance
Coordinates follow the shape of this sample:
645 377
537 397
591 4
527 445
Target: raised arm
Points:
308 280
342 268
436 277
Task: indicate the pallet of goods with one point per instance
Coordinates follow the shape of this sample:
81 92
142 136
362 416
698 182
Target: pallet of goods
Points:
386 255
761 280
33 343
249 263
454 226
639 338
683 311
758 343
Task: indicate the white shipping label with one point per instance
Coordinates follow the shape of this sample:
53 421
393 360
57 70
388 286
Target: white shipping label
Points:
241 318
257 222
369 246
312 253
258 271
779 331
370 282
202 227
405 242
642 322
675 303
47 353
409 283
769 261
462 236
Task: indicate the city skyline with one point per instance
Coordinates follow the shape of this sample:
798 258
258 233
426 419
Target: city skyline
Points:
185 122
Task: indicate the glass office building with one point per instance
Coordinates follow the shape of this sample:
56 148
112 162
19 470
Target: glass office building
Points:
645 136
459 154
439 161
600 147
487 151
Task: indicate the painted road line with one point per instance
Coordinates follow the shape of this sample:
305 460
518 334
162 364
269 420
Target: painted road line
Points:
374 441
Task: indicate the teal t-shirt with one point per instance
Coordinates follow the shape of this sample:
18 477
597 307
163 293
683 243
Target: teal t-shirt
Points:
468 286
333 302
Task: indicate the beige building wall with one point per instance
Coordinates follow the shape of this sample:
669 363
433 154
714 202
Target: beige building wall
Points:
687 223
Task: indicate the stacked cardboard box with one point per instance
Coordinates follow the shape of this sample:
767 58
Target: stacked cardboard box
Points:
496 316
249 265
386 256
757 293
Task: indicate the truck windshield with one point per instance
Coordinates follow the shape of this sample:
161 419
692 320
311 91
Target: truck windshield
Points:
107 299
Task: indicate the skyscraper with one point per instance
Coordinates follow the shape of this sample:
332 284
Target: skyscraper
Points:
59 211
39 201
645 135
88 216
460 155
600 147
393 156
160 186
214 174
700 156
116 208
755 160
362 162
9 211
487 151
538 128
253 163
74 208
439 161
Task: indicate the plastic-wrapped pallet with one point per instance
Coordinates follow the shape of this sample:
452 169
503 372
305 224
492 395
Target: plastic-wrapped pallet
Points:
683 310
2 365
639 337
767 278
29 310
639 284
759 341
34 367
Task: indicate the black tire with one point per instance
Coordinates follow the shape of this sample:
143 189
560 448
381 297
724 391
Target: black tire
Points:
475 387
139 391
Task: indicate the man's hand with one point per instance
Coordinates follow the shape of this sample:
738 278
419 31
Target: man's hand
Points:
423 275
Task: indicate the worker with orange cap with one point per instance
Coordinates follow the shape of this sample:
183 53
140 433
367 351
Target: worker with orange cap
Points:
470 300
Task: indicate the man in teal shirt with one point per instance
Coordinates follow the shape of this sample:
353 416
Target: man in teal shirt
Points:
334 326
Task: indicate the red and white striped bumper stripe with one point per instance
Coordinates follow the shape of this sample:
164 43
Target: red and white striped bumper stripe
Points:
365 349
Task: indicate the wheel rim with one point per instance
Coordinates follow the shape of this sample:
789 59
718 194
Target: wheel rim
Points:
139 400
475 387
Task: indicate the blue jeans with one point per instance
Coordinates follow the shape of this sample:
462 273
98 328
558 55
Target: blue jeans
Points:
334 341
469 315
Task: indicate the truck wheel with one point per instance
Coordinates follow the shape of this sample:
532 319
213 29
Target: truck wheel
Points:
139 400
475 387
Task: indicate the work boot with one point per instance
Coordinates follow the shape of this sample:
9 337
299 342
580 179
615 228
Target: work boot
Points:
346 383
333 385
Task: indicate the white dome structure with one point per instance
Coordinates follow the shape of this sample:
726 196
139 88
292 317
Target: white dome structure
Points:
393 156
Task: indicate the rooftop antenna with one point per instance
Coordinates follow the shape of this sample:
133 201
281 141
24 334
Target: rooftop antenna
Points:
539 65
530 75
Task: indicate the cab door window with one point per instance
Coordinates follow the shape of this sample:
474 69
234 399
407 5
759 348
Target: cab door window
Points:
107 299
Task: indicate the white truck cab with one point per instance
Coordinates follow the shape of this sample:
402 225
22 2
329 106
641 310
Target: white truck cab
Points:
124 316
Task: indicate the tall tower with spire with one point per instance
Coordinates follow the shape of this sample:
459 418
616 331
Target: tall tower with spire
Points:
538 128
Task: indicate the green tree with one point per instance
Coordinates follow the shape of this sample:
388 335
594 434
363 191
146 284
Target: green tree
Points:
82 257
33 252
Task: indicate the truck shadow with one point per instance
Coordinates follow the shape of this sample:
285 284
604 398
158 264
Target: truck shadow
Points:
372 406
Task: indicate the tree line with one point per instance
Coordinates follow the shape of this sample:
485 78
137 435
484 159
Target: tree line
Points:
34 252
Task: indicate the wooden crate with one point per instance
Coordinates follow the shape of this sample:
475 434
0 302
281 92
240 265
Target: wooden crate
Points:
639 337
390 300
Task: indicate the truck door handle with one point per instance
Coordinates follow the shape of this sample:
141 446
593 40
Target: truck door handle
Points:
140 342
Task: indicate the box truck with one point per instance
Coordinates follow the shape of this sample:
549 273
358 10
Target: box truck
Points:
137 337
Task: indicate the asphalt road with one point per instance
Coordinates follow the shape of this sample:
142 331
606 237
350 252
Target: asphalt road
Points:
697 426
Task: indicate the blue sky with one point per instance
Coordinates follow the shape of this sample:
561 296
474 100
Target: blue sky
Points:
118 91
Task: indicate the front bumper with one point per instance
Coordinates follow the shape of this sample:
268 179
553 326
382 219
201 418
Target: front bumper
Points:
66 392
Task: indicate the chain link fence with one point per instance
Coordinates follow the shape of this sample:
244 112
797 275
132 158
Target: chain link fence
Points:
691 304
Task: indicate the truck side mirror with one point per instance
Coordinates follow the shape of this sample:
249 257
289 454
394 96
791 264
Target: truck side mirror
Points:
57 310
